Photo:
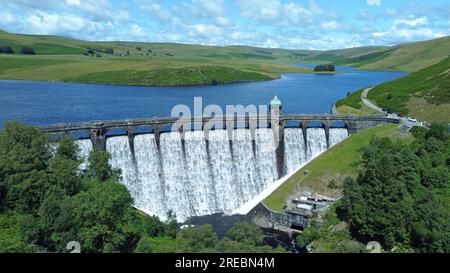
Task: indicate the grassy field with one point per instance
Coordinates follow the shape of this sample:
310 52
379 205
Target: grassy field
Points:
424 94
353 100
66 59
408 57
347 110
335 164
352 105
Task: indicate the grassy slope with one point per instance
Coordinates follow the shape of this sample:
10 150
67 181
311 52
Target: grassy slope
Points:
353 100
337 163
61 59
424 94
409 57
352 105
173 77
412 57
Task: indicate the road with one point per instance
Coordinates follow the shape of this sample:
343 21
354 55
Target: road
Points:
403 120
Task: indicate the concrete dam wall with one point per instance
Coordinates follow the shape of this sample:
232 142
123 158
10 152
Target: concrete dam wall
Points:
208 176
212 170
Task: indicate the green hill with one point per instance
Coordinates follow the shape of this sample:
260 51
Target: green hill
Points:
411 57
66 59
408 57
333 165
424 94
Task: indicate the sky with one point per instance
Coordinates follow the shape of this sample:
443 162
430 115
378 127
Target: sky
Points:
292 24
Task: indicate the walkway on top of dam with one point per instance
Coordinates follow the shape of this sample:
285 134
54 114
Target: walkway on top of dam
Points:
158 122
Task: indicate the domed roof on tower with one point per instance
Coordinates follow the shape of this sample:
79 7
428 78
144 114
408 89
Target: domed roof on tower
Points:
275 101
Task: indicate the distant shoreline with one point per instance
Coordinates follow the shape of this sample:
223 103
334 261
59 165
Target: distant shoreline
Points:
142 85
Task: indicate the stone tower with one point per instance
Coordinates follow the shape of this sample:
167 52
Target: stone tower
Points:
275 107
278 133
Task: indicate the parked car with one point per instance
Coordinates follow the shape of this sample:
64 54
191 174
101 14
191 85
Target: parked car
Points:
389 111
401 115
412 119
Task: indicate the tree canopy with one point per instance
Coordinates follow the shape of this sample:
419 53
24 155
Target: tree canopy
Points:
27 50
47 201
401 196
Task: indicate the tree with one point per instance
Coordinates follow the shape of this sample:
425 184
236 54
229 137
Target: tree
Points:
8 50
325 67
128 52
10 238
438 131
99 167
24 156
156 245
64 167
99 218
400 197
197 239
380 205
27 50
418 132
308 235
430 231
247 233
29 228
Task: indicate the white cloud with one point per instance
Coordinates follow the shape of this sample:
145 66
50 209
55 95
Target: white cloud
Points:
240 36
204 31
366 15
45 23
99 10
262 10
155 8
414 22
213 8
373 2
265 23
137 31
6 18
271 44
391 12
295 14
410 29
73 2
330 25
202 9
223 21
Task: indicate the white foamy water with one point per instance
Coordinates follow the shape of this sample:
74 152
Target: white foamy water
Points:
84 149
337 135
294 143
316 142
209 176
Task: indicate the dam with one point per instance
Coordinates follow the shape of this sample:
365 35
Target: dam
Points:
194 172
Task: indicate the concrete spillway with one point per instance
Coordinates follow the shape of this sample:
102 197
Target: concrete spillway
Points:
200 176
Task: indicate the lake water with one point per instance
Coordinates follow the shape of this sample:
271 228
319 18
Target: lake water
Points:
42 103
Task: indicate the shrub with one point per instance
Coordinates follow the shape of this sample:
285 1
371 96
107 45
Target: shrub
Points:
8 50
27 50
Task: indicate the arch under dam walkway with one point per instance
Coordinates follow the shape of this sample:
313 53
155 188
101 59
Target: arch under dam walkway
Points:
99 131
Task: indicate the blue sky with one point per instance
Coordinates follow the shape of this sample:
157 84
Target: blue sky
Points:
300 24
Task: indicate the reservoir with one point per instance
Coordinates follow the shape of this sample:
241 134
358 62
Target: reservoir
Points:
40 103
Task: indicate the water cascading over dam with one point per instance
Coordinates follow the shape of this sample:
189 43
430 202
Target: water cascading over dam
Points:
208 176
